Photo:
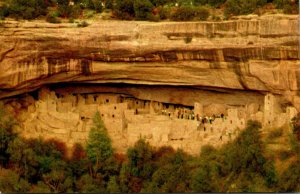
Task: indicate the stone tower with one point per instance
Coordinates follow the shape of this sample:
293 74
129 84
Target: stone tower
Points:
270 110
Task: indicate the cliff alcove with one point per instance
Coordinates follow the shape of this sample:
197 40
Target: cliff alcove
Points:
246 68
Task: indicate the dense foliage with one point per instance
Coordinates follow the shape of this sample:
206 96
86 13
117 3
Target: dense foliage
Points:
36 165
186 13
152 10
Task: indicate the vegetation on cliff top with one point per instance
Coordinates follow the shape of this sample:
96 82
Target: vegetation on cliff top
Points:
153 10
243 165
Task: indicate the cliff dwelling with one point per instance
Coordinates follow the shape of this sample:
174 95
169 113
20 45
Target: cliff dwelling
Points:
147 82
69 116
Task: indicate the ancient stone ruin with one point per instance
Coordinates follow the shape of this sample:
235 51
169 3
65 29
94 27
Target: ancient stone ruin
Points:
148 82
68 117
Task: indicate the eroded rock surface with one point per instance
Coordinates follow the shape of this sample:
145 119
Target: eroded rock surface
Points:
218 64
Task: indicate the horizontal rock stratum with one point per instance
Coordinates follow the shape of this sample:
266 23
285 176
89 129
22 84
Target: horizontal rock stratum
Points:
259 54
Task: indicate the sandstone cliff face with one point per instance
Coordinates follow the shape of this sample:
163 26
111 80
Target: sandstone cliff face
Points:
247 54
168 72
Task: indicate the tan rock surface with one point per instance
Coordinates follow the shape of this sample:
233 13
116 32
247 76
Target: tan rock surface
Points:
247 54
206 68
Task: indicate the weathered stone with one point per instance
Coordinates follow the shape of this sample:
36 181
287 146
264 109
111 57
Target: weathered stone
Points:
147 82
219 56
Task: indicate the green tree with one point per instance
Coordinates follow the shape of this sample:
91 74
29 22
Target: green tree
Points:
99 148
98 6
23 157
88 184
139 157
7 135
171 176
124 178
40 187
4 11
27 9
187 13
290 178
58 179
288 6
10 182
202 181
206 177
244 159
159 2
78 162
213 3
296 125
202 13
112 186
242 7
109 4
142 9
124 9
184 13
140 166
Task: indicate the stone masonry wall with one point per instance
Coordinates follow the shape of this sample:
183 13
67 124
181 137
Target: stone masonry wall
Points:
68 117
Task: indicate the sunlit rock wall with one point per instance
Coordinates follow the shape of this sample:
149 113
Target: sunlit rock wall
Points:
229 63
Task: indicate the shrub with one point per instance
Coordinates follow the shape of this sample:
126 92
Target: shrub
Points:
270 174
213 3
109 4
27 9
71 20
187 13
52 19
64 10
202 13
82 24
4 11
164 12
159 2
289 180
290 9
188 39
241 7
124 9
10 181
201 182
153 18
215 18
142 9
112 185
88 13
207 150
138 157
184 13
75 11
296 125
97 6
7 135
287 6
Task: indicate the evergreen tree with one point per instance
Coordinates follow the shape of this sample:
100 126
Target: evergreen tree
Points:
7 135
142 9
124 9
241 7
99 148
112 186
